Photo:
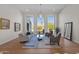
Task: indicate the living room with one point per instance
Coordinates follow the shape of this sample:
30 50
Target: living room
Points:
38 19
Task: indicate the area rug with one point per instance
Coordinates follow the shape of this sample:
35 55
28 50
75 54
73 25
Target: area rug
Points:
34 43
28 46
39 46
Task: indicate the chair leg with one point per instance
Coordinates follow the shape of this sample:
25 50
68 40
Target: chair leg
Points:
58 44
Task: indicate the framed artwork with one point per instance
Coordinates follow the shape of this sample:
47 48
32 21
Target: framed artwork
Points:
68 30
17 27
4 23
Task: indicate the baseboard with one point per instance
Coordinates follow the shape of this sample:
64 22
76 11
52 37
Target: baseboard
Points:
75 42
6 41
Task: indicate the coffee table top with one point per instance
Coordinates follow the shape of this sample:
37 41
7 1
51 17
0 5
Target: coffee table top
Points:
40 36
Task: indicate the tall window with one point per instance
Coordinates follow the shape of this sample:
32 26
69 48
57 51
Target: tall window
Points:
40 23
51 23
32 23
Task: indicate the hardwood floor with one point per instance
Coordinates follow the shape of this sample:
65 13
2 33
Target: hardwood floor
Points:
15 47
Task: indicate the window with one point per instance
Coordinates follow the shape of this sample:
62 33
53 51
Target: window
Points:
40 24
32 23
51 23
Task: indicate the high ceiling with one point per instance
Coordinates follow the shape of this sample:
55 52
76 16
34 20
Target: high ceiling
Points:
38 8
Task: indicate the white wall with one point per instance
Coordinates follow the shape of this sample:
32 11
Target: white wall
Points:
70 13
14 16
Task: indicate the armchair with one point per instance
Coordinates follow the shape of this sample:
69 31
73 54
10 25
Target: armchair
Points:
23 38
55 40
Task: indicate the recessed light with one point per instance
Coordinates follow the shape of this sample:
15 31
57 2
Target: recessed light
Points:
27 10
53 9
